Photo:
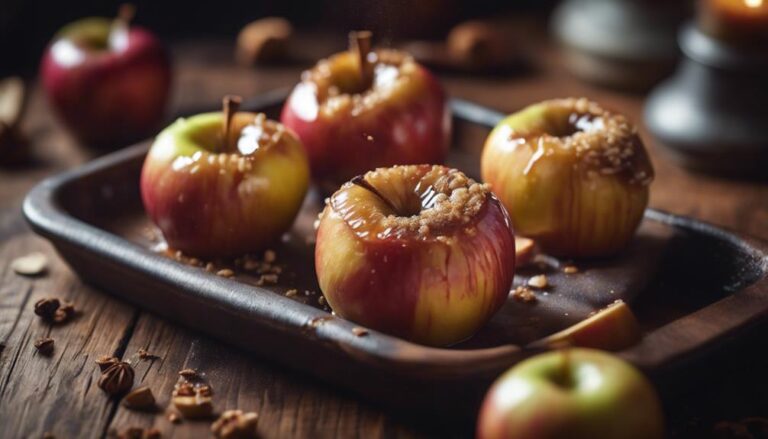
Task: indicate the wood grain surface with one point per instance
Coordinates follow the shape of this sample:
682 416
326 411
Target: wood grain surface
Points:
58 394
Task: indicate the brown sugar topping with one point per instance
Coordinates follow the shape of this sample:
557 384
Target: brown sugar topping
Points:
429 201
349 94
606 142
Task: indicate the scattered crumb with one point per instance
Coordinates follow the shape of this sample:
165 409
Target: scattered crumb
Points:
538 281
292 292
30 265
145 355
44 346
359 332
173 417
189 373
225 272
524 294
267 279
321 300
209 267
570 269
270 256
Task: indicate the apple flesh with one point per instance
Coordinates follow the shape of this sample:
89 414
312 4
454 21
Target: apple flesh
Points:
571 394
612 328
349 129
574 177
213 197
108 84
427 254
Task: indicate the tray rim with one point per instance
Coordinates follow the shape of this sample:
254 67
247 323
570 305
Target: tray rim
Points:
48 218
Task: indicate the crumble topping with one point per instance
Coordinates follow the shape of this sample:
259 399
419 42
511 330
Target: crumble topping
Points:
430 201
603 140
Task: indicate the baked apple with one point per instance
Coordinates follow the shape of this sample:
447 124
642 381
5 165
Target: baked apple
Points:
417 251
360 110
574 177
224 184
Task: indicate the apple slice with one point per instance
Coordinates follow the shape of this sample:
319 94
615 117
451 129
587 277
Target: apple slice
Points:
612 328
524 250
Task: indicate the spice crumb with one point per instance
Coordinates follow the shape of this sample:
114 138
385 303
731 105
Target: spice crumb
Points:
524 294
359 332
321 300
292 292
145 355
44 346
209 267
270 256
570 269
225 272
538 281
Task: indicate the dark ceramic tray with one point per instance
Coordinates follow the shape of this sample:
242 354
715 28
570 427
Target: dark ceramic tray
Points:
692 286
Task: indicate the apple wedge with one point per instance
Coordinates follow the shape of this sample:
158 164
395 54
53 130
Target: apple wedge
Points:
612 328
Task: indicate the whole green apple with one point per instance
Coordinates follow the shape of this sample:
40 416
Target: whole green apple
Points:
575 394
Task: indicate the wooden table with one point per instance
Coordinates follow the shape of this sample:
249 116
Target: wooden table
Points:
58 394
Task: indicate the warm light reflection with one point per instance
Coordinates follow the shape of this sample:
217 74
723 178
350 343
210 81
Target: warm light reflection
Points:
753 3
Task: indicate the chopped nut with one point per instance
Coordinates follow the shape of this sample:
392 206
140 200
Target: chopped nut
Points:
570 269
235 424
44 346
30 265
225 272
209 267
359 332
144 355
292 292
192 406
538 281
140 399
65 313
105 361
46 308
173 417
117 378
523 294
189 374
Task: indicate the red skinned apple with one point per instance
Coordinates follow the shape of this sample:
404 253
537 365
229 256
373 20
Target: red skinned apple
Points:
571 394
360 110
217 192
108 82
419 251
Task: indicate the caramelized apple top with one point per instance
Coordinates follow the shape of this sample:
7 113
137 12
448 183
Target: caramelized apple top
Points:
338 84
605 142
251 132
421 201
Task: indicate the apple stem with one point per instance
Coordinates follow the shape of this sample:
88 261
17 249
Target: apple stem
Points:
118 34
125 14
360 44
230 104
363 183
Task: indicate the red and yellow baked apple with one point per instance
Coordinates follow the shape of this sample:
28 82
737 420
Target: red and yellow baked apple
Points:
574 177
417 251
351 122
571 394
217 195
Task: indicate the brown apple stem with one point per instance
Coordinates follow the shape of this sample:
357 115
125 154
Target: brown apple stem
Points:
230 104
119 31
363 183
126 13
360 44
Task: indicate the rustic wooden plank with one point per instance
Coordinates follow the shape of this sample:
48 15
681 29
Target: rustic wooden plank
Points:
56 394
289 405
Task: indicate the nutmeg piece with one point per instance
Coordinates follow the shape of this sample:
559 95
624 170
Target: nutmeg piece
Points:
263 41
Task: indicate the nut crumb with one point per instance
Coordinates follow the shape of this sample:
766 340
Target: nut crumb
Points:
145 355
292 292
44 346
235 424
173 417
570 269
225 272
538 281
359 332
270 256
524 294
321 300
209 267
189 374
46 308
140 399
